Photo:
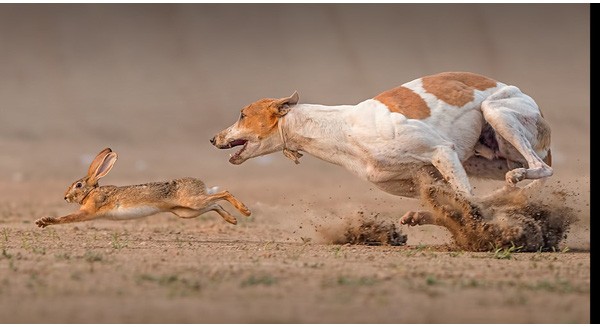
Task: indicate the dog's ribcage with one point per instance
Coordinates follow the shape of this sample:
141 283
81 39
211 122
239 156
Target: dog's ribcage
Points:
391 138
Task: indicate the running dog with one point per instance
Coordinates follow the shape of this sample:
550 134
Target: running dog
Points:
458 124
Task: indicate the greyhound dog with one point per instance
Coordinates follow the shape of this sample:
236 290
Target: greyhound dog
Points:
459 124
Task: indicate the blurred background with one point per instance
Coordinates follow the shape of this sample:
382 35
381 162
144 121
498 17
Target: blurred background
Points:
156 81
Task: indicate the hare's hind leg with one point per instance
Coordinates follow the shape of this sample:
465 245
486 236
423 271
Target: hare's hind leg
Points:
193 206
225 195
226 215
186 212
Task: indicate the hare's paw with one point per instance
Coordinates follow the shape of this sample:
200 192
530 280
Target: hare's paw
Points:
45 221
245 211
230 219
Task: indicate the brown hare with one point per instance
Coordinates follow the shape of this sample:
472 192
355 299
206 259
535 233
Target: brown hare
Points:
185 197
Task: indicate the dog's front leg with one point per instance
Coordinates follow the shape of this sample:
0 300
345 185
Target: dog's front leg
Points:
407 188
415 218
446 161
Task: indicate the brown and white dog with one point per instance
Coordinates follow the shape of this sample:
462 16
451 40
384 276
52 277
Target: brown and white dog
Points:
460 123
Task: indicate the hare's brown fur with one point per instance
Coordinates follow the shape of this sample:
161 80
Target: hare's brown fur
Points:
185 197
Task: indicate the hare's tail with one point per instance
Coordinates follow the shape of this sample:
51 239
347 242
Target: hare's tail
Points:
212 190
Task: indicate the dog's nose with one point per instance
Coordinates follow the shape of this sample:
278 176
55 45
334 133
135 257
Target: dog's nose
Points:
65 198
212 141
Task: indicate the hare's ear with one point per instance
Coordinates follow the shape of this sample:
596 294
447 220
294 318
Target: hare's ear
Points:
101 165
105 166
97 161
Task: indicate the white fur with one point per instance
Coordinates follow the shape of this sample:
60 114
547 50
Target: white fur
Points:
123 213
388 149
374 143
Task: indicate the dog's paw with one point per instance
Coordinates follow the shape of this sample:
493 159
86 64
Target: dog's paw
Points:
516 175
408 219
45 221
414 218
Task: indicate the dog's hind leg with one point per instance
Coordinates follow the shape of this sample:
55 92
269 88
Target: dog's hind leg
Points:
513 195
517 120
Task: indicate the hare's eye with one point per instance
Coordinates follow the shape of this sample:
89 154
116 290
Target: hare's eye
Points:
78 185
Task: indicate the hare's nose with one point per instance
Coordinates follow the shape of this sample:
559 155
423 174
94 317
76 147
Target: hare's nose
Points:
212 141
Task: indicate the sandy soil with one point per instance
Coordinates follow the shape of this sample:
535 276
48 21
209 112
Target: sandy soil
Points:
156 82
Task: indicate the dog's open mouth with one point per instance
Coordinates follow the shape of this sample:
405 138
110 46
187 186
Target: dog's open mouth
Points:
234 143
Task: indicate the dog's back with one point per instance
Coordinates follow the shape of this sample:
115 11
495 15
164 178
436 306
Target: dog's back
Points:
482 117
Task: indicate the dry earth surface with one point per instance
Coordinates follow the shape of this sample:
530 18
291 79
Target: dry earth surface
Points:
156 82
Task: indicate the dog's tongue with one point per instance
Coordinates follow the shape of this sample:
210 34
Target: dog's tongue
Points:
236 156
237 142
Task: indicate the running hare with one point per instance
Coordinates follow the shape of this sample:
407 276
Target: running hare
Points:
185 197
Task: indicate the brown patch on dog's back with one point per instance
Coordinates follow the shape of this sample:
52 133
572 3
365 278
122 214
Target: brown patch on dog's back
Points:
404 101
456 88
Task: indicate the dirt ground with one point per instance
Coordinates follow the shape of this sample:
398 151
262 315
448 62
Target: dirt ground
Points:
156 82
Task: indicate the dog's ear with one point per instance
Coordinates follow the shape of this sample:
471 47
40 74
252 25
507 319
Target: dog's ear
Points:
284 104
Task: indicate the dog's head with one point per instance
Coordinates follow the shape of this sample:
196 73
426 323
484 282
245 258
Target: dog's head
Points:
256 130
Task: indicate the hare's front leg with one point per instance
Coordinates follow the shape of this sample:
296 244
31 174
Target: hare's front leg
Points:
45 221
74 217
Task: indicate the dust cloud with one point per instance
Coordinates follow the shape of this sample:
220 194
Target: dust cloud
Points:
363 229
527 219
535 217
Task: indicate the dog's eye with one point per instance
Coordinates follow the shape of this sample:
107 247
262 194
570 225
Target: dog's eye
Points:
78 185
242 116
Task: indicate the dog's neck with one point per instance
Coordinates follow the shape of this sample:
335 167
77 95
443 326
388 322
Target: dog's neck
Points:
320 131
